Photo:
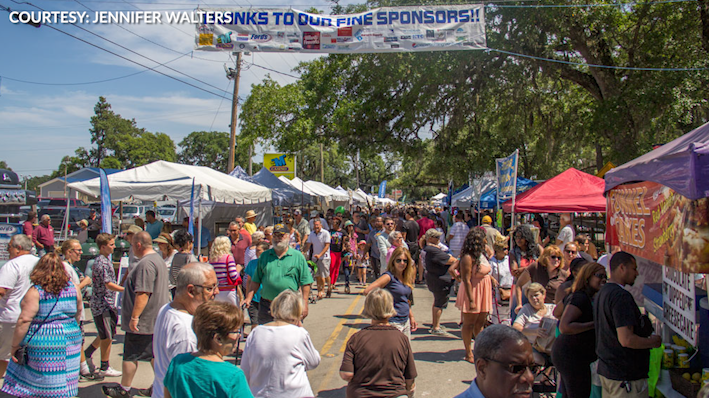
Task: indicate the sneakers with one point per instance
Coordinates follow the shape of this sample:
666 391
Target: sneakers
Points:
110 372
90 377
115 391
440 332
145 392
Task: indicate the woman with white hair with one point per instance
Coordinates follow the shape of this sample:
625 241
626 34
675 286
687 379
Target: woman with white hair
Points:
228 272
278 354
396 240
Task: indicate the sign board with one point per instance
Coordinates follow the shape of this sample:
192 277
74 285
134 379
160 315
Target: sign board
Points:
280 164
679 308
654 222
7 231
379 30
383 189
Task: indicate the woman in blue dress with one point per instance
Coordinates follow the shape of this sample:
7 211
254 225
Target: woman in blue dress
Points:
48 328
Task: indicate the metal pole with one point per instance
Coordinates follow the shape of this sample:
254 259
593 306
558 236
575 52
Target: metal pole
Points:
234 104
65 224
322 167
199 229
251 154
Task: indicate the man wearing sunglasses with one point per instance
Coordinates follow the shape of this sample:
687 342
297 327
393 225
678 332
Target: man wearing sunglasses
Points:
504 364
196 284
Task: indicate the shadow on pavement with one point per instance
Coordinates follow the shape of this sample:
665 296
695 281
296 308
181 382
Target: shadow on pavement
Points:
348 316
337 393
440 357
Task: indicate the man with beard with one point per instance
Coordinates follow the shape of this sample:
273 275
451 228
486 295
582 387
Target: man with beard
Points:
623 343
504 365
278 269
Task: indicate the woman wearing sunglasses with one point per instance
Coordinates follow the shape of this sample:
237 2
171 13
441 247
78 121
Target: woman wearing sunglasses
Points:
205 373
575 348
549 271
399 281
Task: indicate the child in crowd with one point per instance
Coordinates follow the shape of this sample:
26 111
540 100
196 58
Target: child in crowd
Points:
362 262
501 281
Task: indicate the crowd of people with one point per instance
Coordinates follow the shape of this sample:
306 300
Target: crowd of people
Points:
546 298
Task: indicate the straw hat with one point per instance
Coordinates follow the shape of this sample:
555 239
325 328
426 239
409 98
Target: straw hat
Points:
160 239
134 229
250 214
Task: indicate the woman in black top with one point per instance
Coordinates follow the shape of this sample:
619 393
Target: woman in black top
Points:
575 348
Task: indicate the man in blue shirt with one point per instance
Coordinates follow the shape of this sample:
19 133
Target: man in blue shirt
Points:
153 226
205 244
504 363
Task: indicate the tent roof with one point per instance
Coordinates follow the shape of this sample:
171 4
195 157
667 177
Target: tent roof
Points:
438 196
161 179
682 165
569 192
284 194
297 183
241 174
327 191
466 197
488 200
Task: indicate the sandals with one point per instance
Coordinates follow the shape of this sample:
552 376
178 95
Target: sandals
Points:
347 290
329 293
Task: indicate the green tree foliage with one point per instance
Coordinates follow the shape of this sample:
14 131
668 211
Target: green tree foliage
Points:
3 165
205 148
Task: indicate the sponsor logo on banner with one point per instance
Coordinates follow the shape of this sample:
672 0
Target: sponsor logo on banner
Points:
430 34
325 34
344 40
461 38
242 39
243 35
280 164
417 37
328 46
311 40
358 35
405 37
281 35
224 41
295 40
420 45
344 31
261 38
242 46
389 39
292 35
394 46
206 39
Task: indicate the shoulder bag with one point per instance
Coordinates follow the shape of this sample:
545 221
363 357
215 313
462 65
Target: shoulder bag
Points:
21 353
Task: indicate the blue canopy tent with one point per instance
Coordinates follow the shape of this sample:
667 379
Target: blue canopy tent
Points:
488 200
282 193
241 174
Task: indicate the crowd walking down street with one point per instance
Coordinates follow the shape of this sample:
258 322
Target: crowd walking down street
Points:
350 304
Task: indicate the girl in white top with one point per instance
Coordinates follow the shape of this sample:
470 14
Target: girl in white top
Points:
278 354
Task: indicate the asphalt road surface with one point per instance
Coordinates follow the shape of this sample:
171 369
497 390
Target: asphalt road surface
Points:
442 372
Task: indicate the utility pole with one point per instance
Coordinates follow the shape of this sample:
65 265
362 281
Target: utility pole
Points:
322 165
233 74
251 154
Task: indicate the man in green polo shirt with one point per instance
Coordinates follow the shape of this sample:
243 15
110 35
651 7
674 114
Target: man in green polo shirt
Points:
278 269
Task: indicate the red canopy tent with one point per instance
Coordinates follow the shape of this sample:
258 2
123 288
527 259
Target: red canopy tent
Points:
572 191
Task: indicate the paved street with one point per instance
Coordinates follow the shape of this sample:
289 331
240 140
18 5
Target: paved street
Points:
439 360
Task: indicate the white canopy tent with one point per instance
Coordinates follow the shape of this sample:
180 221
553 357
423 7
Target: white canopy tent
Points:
328 191
440 196
163 180
469 196
300 184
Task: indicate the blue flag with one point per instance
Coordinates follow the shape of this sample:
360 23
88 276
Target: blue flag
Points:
105 203
383 189
449 198
190 227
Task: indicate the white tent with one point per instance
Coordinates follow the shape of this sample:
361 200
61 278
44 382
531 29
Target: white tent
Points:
359 197
163 180
440 196
385 201
466 197
331 193
300 184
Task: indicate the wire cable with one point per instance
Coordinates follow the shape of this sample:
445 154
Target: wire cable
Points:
92 82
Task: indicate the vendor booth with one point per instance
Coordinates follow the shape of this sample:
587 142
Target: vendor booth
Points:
488 200
658 210
284 195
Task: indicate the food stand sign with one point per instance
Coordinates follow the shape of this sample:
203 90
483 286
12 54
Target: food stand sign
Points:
679 308
654 222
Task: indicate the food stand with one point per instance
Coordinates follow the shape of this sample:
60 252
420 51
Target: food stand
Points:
658 210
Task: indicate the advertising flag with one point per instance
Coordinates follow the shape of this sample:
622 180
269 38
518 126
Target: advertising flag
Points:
383 189
190 226
105 203
507 176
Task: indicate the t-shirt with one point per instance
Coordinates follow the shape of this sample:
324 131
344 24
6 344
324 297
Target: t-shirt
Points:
501 271
275 361
374 244
400 292
566 235
425 224
179 261
362 225
381 359
192 377
551 281
238 249
154 228
250 227
412 231
15 277
528 318
491 234
336 241
102 298
250 269
303 228
173 336
27 228
582 345
148 276
459 230
436 261
319 240
278 274
615 307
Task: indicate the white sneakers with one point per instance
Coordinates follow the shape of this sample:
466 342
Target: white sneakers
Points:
110 372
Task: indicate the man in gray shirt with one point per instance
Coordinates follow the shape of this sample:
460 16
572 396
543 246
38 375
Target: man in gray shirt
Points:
146 291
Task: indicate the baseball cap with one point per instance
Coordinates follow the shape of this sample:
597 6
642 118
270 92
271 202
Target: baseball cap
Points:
280 229
433 233
487 220
297 212
314 214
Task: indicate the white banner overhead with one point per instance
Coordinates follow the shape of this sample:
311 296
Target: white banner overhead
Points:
386 29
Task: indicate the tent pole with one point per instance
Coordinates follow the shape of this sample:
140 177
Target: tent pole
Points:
199 231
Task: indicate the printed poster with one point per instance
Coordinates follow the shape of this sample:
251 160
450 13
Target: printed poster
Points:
280 164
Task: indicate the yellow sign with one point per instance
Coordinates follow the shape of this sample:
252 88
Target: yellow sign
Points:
608 166
280 164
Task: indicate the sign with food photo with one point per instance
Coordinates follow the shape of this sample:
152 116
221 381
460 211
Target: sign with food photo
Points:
654 222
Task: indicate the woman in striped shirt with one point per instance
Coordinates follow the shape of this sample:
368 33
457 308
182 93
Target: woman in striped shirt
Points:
228 272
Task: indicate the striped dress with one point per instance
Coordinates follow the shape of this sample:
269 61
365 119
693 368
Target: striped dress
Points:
53 367
225 268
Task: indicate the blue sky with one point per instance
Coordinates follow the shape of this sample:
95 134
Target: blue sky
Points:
40 123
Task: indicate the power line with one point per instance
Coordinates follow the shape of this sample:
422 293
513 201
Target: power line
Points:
599 66
95 81
275 71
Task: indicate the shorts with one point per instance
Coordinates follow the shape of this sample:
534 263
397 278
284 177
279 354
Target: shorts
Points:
7 329
323 268
617 389
441 291
404 327
106 324
138 347
264 312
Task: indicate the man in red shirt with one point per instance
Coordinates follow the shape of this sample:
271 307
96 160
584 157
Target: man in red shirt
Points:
43 236
28 226
424 223
240 241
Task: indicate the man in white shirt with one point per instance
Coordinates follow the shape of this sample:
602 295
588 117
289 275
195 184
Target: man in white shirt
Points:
196 284
457 234
14 283
383 243
566 231
320 240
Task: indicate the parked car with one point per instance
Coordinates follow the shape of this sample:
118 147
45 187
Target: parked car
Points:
132 211
59 202
167 214
56 216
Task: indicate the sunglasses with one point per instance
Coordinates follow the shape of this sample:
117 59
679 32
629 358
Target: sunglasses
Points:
570 251
601 275
389 223
208 289
555 258
401 260
516 369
